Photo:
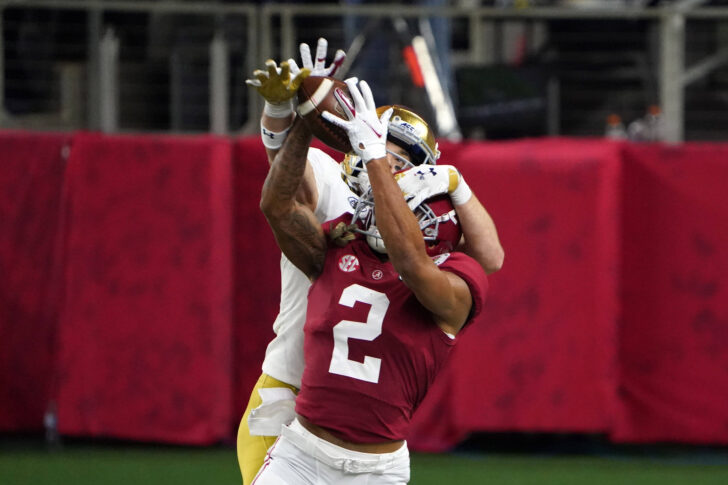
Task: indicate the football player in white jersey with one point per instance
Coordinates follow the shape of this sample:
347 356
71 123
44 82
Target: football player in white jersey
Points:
324 191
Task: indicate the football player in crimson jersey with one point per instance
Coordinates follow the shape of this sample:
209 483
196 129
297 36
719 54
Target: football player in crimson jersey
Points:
323 191
380 324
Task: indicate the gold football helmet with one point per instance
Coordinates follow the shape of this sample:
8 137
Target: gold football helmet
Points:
408 130
354 173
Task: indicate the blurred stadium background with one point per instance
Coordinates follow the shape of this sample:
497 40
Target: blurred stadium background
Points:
516 67
138 280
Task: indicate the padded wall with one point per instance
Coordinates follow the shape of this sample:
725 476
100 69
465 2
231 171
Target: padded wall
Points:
256 260
146 327
158 288
674 326
542 355
31 180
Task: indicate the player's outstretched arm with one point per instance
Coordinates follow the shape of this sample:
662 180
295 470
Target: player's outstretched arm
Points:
298 233
443 293
480 237
278 86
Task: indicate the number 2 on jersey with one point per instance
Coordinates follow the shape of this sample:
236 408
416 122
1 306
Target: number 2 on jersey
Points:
369 330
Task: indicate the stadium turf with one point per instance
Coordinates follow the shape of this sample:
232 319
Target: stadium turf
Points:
140 465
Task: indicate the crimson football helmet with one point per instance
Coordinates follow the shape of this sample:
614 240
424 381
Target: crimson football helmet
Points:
436 216
406 129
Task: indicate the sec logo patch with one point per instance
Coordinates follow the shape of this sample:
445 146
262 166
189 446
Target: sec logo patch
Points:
348 263
440 258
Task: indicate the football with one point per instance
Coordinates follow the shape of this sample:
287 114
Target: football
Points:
315 96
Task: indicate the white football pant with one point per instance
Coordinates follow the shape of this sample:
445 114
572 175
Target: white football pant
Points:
299 457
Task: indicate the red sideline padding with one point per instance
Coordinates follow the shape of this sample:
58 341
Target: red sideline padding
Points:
542 356
674 334
31 179
257 271
147 235
146 329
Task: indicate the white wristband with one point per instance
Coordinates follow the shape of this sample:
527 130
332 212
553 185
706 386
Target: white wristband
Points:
462 193
273 139
282 110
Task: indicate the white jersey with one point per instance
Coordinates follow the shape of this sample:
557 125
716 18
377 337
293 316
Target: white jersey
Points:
284 355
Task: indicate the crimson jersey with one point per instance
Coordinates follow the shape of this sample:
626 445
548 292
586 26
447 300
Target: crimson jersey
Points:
371 349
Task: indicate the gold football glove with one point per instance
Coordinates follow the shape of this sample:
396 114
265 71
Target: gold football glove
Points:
276 84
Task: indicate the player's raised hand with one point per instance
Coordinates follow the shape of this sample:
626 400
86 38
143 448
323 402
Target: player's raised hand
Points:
318 67
367 132
276 84
424 181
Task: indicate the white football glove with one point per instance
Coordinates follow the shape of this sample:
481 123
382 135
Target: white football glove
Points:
424 181
367 132
319 67
277 86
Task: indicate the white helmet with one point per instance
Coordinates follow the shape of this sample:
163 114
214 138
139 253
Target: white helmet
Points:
436 217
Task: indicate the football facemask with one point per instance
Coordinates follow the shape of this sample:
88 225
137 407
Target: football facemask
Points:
436 217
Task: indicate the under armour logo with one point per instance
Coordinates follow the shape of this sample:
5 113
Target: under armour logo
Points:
422 174
267 133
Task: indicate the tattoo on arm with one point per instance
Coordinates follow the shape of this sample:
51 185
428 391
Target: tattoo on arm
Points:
301 239
297 231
